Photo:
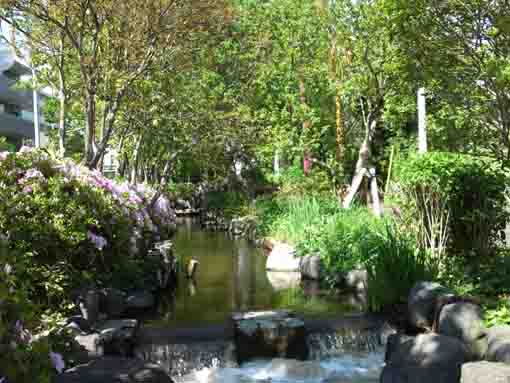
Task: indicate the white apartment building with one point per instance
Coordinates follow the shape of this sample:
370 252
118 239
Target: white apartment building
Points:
17 122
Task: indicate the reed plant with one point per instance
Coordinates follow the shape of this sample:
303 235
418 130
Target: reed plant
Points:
394 266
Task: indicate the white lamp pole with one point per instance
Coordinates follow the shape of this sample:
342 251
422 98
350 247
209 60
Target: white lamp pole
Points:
422 121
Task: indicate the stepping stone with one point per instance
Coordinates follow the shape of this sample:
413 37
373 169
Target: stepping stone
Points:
269 334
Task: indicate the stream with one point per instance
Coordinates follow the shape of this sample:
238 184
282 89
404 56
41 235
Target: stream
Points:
232 277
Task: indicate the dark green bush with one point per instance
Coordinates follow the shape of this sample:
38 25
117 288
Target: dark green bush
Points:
474 189
183 190
229 203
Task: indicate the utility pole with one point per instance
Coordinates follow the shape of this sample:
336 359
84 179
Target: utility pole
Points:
422 121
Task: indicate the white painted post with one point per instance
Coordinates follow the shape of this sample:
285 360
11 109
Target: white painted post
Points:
422 121
276 163
374 191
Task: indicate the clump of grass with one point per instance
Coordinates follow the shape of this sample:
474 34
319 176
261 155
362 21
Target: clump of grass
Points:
394 266
299 214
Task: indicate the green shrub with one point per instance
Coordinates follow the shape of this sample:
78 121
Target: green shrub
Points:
293 181
319 225
474 191
267 209
229 203
394 266
184 190
341 238
6 146
23 360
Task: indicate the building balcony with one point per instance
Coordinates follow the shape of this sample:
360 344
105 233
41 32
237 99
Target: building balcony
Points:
19 126
9 94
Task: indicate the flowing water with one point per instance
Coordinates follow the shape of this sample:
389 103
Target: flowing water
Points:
232 277
349 356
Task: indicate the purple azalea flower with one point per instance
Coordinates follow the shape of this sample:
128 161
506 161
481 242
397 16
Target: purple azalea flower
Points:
28 189
23 334
58 362
33 173
98 241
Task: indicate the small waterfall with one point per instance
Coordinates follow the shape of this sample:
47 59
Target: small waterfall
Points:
182 359
345 355
332 344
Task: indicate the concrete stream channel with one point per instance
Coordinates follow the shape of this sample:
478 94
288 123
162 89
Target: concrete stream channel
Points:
235 322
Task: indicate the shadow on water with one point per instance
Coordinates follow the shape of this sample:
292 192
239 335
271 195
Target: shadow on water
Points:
231 277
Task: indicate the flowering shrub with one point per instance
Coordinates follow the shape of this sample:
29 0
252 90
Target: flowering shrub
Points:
24 358
73 225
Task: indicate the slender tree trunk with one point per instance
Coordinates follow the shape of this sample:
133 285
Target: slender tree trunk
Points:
123 166
62 98
362 162
336 78
307 163
137 152
90 128
340 132
62 123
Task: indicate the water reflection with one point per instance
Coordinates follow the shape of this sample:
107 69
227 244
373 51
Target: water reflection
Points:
231 277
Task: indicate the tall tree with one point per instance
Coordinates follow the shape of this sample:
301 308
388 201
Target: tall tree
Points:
461 51
116 44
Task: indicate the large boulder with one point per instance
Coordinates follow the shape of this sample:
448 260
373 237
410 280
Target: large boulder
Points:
498 339
91 344
485 372
269 334
112 337
112 302
422 303
88 301
283 280
394 342
311 267
356 280
115 370
464 321
424 359
283 258
140 300
118 337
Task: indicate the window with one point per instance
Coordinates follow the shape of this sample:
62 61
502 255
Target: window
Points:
13 109
11 75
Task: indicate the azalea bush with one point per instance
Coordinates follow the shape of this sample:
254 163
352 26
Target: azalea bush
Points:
25 358
75 227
